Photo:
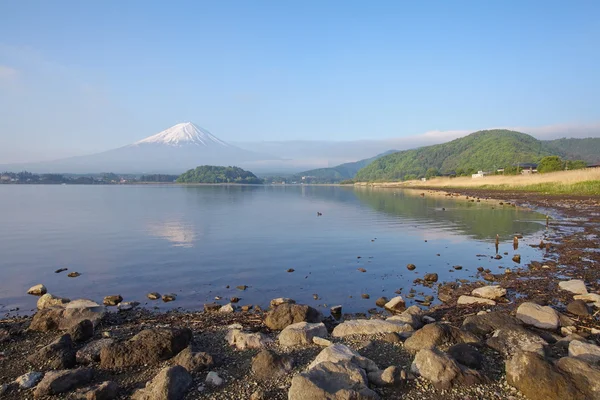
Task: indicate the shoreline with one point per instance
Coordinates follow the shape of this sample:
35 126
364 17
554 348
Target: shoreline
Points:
573 237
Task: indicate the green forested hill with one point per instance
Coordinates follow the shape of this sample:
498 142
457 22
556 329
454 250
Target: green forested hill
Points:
587 149
483 150
213 174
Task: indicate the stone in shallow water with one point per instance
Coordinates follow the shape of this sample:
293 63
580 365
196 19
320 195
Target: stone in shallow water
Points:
37 290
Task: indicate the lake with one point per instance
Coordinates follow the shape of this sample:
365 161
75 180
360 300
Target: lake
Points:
197 240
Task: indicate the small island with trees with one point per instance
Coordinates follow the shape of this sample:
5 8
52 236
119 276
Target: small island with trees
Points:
213 174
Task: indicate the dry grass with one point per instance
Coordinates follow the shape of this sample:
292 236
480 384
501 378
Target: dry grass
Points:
583 181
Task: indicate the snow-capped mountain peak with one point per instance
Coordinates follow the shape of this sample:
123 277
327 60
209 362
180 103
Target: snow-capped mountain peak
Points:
184 134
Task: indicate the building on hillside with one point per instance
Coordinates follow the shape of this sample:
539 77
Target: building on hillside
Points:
5 178
527 168
593 166
479 174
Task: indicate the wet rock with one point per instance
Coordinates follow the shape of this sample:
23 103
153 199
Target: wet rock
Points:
470 300
150 346
516 258
432 277
112 300
575 286
127 305
301 333
411 267
49 300
268 365
446 292
444 372
291 270
319 341
81 332
193 361
584 351
214 379
281 300
513 339
107 390
369 327
365 296
242 287
91 351
63 318
361 270
153 295
489 277
585 377
211 307
466 355
287 314
242 340
171 383
489 292
395 305
487 323
579 308
57 355
169 297
380 302
57 382
73 274
29 380
542 317
537 379
437 334
58 271
227 309
37 290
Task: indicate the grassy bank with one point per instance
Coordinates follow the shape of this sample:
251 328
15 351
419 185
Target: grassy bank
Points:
578 182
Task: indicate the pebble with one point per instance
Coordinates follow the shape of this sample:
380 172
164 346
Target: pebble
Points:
214 379
73 274
153 296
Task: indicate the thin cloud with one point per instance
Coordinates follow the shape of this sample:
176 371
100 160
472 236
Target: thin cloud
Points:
8 73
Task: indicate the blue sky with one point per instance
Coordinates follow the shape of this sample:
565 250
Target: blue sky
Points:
80 76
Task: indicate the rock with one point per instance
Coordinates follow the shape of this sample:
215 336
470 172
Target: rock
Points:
466 355
169 297
112 300
57 355
585 377
413 316
49 300
57 382
336 310
575 286
171 383
214 379
319 341
73 274
446 291
365 296
150 346
458 267
584 351
281 300
368 327
589 298
269 365
517 258
542 317
301 333
437 367
211 307
81 332
431 277
437 334
287 314
37 290
153 295
227 309
193 361
334 381
396 304
91 351
338 352
489 292
470 300
4 388
64 318
127 305
107 390
234 299
29 380
242 287
411 267
380 302
243 341
258 394
537 379
487 323
391 337
514 338
579 308
387 377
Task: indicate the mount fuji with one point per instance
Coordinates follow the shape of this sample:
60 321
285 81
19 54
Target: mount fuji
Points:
174 150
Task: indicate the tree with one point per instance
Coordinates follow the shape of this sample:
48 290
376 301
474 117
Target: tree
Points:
576 164
550 164
431 172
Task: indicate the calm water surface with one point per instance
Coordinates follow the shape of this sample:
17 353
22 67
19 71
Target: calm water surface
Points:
196 240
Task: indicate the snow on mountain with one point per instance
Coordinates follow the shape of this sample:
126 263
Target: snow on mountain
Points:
184 134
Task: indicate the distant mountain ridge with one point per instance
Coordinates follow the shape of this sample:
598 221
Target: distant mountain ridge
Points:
483 150
587 149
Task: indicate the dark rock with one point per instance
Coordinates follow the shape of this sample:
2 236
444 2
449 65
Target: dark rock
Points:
211 307
153 295
411 267
73 274
291 270
380 302
513 339
242 287
579 308
365 296
234 299
466 354
57 355
446 292
489 277
107 390
516 258
193 361
487 323
269 365
150 346
171 383
362 270
83 331
112 300
91 351
437 334
57 382
537 379
58 271
169 297
432 277
458 267
287 314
